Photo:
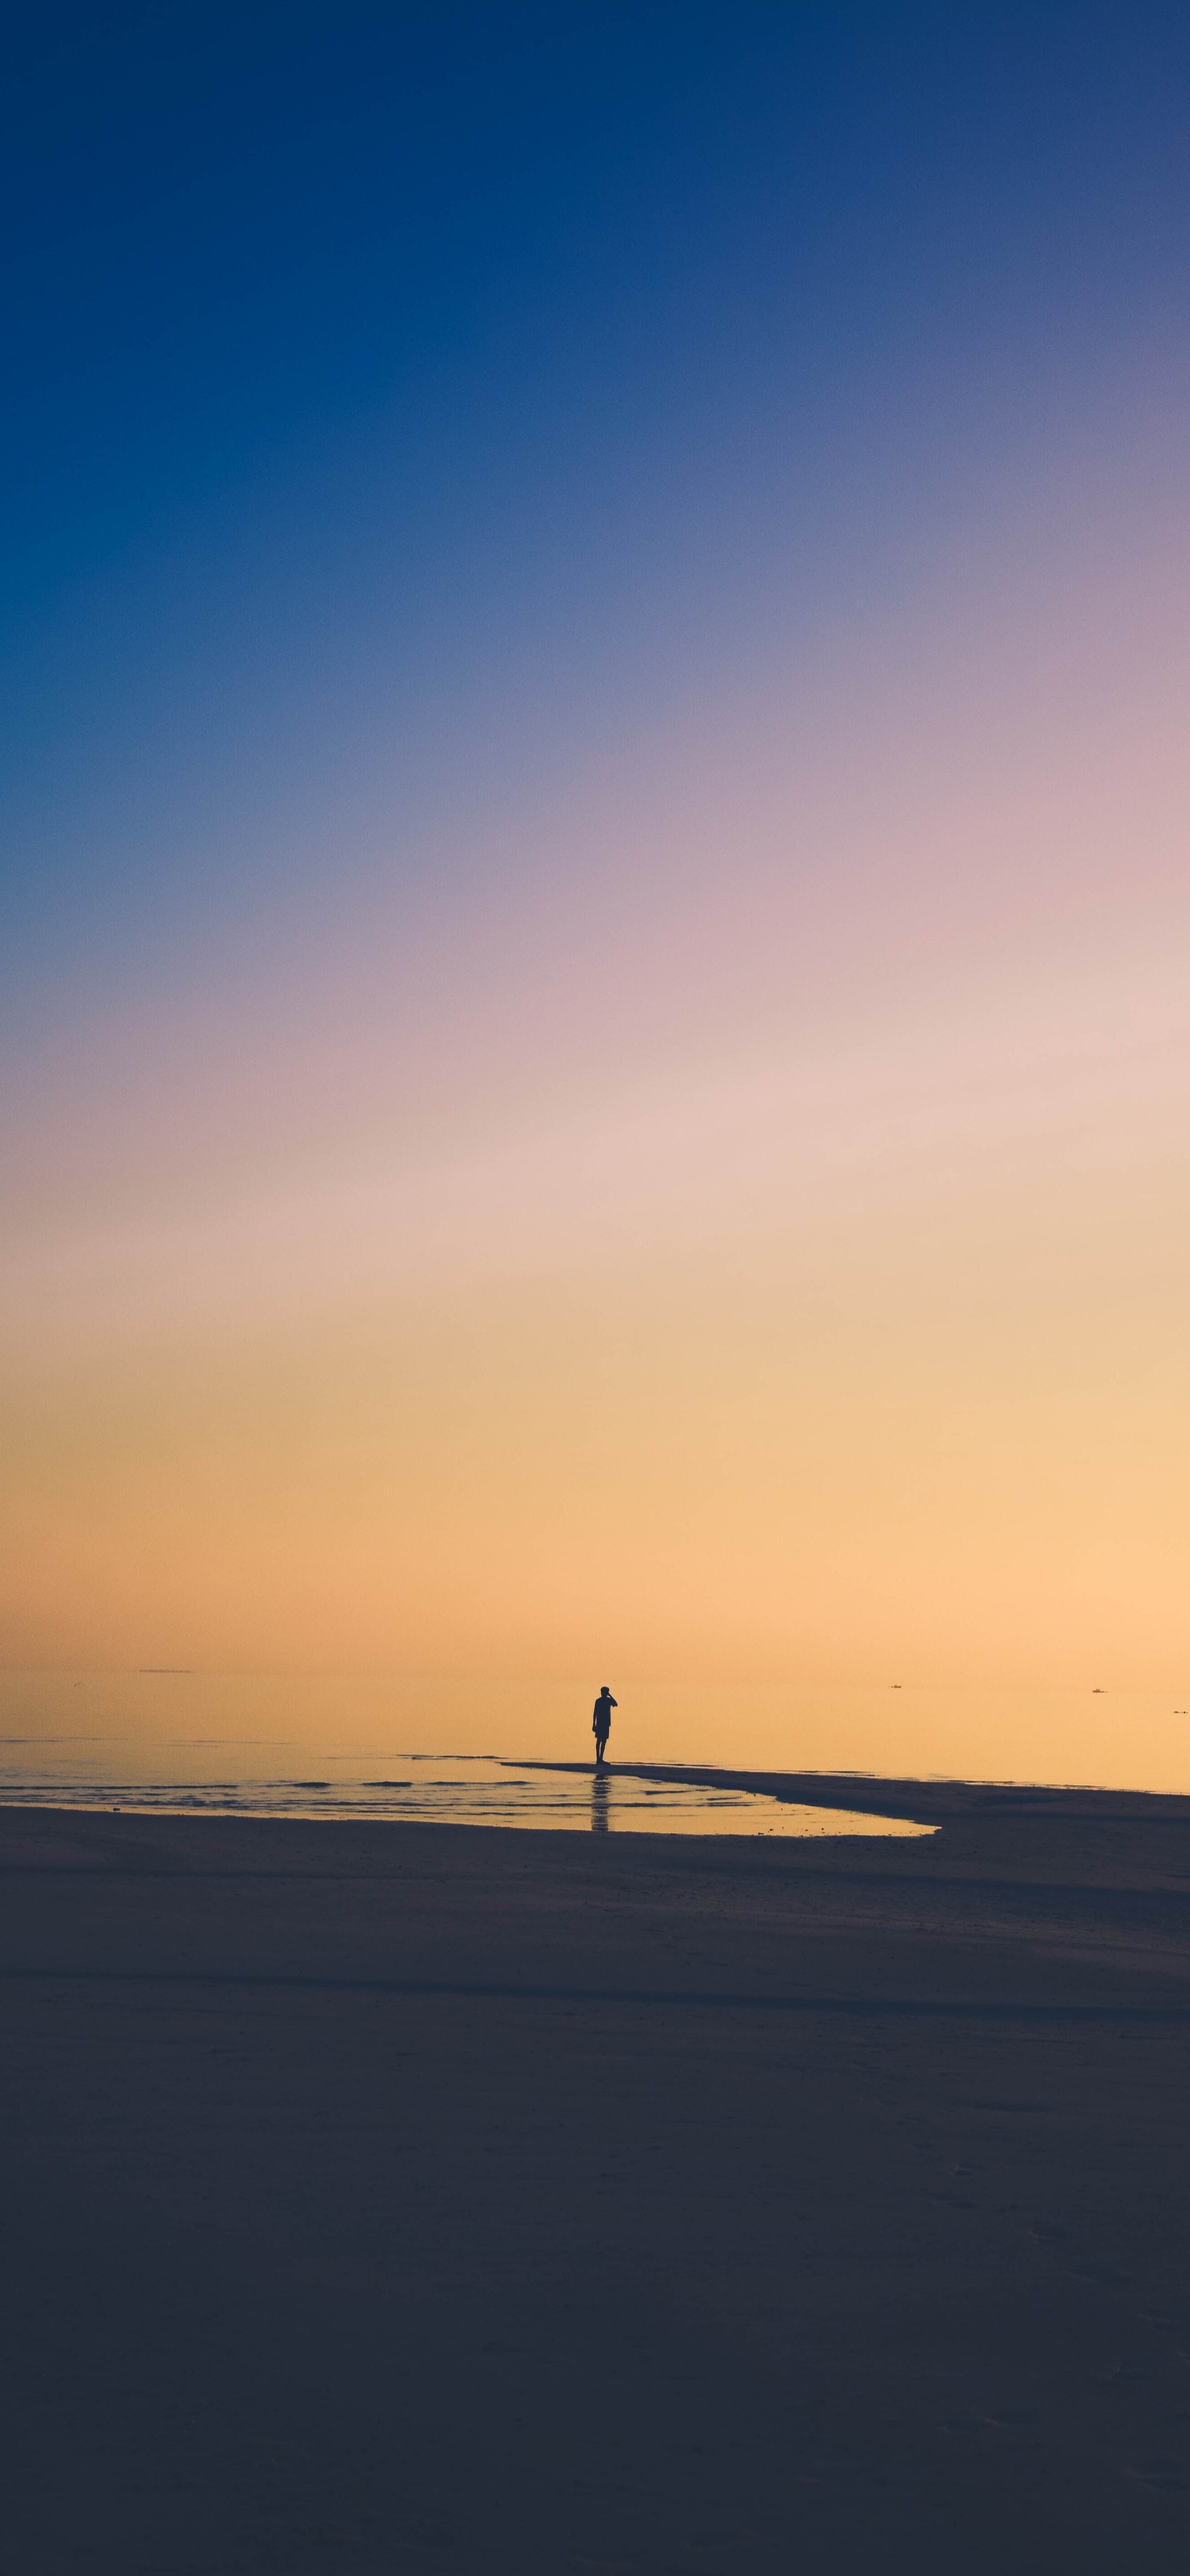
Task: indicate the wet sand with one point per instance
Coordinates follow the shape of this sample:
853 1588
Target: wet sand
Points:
385 2197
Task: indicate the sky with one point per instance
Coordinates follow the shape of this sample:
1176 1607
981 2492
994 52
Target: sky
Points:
593 853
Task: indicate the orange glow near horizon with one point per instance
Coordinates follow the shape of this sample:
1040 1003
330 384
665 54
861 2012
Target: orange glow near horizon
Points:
718 1267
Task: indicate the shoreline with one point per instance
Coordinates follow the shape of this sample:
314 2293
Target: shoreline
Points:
933 1802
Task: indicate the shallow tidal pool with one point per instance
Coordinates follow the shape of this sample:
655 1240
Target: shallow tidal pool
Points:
468 1789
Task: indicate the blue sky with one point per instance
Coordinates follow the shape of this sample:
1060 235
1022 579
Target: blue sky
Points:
356 355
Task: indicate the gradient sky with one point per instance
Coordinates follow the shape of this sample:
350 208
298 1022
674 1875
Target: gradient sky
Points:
593 987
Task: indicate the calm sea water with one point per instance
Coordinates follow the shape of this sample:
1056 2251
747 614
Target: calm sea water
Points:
280 1744
466 1790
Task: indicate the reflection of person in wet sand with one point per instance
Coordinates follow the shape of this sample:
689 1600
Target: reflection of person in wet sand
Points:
601 1723
599 1801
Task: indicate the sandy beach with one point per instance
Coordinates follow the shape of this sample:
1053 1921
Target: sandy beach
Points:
408 2197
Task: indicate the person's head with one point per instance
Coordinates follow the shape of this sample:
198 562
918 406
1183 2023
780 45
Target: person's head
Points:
605 1690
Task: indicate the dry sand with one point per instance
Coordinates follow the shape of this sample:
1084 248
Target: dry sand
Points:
422 2198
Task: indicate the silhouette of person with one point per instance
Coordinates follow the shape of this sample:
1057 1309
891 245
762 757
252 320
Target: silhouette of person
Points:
601 1723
